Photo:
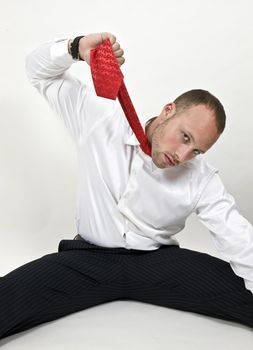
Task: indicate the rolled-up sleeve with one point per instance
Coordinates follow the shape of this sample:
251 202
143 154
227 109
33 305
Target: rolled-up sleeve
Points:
232 233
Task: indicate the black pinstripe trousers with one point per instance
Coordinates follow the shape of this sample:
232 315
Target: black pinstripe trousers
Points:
81 275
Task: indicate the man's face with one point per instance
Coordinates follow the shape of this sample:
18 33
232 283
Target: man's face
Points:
178 137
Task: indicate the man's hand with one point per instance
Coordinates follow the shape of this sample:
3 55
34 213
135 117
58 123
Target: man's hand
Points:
92 41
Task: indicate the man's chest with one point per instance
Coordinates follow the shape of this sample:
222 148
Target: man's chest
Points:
122 176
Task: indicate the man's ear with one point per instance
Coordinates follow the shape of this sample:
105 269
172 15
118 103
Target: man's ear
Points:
168 111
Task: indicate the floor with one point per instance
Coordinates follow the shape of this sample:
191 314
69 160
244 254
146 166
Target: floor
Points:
121 324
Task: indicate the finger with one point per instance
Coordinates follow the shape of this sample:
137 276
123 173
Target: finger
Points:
112 39
119 53
115 46
121 60
110 36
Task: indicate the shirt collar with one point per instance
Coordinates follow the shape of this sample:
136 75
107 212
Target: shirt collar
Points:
131 139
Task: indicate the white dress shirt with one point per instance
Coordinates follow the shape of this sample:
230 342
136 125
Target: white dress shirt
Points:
124 200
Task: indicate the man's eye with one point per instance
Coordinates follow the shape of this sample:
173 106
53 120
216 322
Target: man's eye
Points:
196 152
186 137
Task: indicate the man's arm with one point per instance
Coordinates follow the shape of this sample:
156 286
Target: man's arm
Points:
47 70
232 233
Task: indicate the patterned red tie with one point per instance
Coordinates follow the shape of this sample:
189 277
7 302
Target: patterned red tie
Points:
108 82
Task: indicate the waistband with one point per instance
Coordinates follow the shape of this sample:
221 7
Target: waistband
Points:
78 243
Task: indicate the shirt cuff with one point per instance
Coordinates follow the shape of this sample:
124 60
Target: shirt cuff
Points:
59 53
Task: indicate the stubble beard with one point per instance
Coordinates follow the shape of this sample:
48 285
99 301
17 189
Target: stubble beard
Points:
156 154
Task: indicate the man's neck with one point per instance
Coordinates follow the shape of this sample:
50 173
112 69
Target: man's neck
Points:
149 128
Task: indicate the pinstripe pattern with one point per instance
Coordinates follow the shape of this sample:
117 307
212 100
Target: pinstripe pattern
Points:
81 275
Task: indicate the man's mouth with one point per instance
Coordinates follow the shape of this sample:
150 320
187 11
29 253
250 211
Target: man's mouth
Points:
169 161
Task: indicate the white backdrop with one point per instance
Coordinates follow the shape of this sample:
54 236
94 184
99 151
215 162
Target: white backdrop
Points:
170 47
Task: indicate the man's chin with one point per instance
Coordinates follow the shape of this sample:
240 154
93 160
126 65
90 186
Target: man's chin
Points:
159 163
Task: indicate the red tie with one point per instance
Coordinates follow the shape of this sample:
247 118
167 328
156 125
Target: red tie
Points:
108 82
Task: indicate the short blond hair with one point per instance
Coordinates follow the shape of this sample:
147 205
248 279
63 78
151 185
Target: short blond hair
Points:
202 97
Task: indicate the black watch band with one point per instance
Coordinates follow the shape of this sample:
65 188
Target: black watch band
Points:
74 48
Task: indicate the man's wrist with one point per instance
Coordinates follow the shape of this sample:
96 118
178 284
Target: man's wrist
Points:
73 48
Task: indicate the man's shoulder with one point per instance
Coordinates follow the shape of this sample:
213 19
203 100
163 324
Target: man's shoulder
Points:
200 168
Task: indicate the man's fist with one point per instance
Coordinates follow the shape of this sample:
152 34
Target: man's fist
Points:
92 41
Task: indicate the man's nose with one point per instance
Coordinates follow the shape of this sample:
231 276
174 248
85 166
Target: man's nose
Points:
183 154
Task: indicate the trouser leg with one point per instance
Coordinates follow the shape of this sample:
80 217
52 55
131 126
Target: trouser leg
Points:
56 285
191 281
76 278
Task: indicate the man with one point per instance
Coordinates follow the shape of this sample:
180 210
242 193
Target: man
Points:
131 205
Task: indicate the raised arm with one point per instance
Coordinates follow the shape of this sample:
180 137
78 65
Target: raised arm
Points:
47 69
